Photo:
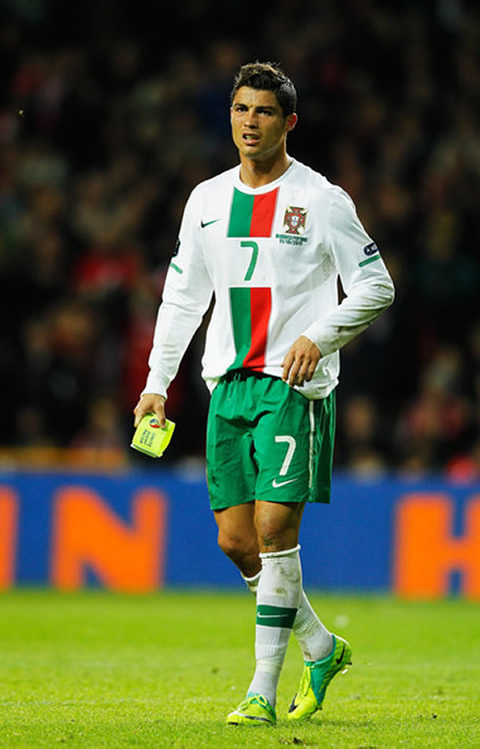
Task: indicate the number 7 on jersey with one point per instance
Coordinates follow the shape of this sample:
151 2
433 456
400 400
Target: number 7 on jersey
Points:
253 259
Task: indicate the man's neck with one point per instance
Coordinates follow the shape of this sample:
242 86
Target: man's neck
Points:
256 174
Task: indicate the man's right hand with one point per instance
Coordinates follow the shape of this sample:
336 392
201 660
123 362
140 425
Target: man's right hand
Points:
150 403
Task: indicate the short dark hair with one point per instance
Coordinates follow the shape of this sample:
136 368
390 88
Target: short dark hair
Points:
267 76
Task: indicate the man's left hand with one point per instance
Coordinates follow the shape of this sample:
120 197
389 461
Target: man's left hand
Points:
300 362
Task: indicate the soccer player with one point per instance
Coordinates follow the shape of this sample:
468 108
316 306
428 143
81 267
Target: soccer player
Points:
269 239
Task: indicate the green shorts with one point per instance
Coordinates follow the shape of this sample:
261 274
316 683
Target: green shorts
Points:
266 441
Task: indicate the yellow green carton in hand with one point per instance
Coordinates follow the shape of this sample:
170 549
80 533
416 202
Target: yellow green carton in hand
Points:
150 438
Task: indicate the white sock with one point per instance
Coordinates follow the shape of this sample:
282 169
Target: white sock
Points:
252 582
315 641
278 596
311 634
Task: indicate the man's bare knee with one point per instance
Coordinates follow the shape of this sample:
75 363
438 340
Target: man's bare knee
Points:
243 553
277 525
233 545
229 544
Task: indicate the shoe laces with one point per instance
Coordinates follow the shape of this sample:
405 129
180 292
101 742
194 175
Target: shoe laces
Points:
305 682
259 699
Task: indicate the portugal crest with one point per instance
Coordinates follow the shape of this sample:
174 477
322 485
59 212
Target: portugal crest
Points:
294 220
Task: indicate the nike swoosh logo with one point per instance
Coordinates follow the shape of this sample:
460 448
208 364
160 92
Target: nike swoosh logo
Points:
269 616
277 484
203 224
339 659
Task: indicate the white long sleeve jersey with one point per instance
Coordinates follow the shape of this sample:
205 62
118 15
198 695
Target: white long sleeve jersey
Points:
271 257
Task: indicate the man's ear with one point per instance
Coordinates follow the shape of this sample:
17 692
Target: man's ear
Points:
291 121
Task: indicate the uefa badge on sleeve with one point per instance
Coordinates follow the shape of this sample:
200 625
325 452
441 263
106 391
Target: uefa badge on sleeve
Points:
150 438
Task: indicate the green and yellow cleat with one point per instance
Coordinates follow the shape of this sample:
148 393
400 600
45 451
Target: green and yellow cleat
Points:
253 711
316 677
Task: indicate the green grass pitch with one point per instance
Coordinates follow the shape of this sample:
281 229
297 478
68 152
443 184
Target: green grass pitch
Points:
96 669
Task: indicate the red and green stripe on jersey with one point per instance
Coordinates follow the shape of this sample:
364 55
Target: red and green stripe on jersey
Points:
252 215
251 309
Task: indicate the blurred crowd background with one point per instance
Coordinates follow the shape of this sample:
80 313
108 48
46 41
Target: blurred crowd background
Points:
111 111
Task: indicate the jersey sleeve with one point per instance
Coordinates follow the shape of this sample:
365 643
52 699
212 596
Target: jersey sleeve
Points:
186 296
367 284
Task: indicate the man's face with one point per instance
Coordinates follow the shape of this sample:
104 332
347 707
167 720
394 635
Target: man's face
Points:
259 128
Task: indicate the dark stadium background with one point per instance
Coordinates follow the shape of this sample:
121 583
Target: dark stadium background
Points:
110 112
